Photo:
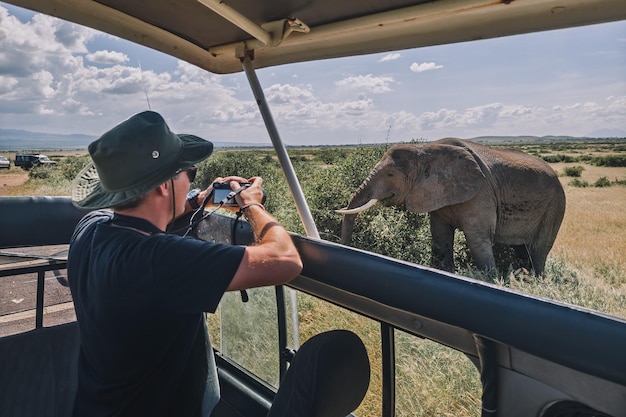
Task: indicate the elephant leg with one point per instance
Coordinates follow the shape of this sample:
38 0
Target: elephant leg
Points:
443 243
531 258
481 248
523 257
543 240
538 256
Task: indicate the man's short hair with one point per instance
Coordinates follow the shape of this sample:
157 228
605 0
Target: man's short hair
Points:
130 203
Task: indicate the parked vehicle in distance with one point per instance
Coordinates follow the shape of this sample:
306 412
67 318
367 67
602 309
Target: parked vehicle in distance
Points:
27 161
4 162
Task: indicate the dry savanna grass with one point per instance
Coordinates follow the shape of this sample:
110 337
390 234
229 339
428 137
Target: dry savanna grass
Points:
594 228
592 238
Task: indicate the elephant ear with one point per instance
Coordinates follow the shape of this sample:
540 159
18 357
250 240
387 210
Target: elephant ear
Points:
450 175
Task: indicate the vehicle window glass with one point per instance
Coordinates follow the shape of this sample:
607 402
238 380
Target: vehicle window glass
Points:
247 333
434 380
317 316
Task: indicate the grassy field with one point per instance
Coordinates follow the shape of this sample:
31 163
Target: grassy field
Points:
586 267
591 244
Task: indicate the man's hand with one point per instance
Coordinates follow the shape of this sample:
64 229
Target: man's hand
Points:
251 195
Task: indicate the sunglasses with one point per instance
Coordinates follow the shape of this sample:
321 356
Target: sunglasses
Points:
191 172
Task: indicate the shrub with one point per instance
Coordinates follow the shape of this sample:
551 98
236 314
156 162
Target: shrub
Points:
324 197
298 158
331 155
49 180
243 163
559 158
71 166
357 166
394 232
578 183
574 171
610 161
39 173
602 182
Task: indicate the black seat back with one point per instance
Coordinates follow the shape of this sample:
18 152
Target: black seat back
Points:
38 372
37 221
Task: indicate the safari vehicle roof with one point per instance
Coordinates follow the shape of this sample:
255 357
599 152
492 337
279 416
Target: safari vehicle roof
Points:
213 34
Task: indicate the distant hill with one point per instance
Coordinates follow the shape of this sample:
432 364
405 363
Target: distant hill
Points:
22 140
13 139
534 139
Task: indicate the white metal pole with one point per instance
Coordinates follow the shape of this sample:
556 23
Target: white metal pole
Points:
281 151
292 180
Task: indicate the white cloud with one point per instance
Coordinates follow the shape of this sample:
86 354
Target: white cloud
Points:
424 66
43 84
496 118
7 84
390 57
107 57
366 83
289 94
44 74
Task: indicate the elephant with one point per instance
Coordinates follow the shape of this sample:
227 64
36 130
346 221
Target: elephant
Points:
493 195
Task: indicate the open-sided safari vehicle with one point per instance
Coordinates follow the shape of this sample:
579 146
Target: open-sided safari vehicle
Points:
534 357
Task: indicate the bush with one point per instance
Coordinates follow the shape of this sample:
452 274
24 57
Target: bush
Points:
559 158
602 182
331 155
578 183
610 161
71 166
40 173
49 180
574 171
394 232
324 197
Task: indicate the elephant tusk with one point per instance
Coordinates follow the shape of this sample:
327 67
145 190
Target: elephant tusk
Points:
356 210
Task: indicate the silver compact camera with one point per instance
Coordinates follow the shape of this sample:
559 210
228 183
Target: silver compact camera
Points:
222 194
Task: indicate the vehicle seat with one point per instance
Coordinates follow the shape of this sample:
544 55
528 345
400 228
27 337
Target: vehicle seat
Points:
37 220
328 377
40 380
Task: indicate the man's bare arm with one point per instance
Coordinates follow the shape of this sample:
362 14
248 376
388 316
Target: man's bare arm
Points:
273 258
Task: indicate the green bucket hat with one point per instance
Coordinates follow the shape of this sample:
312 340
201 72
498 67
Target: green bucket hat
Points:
133 158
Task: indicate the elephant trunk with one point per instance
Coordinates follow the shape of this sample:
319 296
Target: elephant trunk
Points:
360 202
347 225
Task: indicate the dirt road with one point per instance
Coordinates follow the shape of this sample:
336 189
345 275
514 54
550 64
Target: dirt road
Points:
11 180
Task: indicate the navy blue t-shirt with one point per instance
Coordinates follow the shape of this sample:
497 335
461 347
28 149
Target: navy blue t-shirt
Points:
139 297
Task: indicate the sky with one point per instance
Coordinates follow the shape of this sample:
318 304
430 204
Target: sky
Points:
58 77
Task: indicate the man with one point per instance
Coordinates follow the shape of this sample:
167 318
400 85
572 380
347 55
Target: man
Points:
140 294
